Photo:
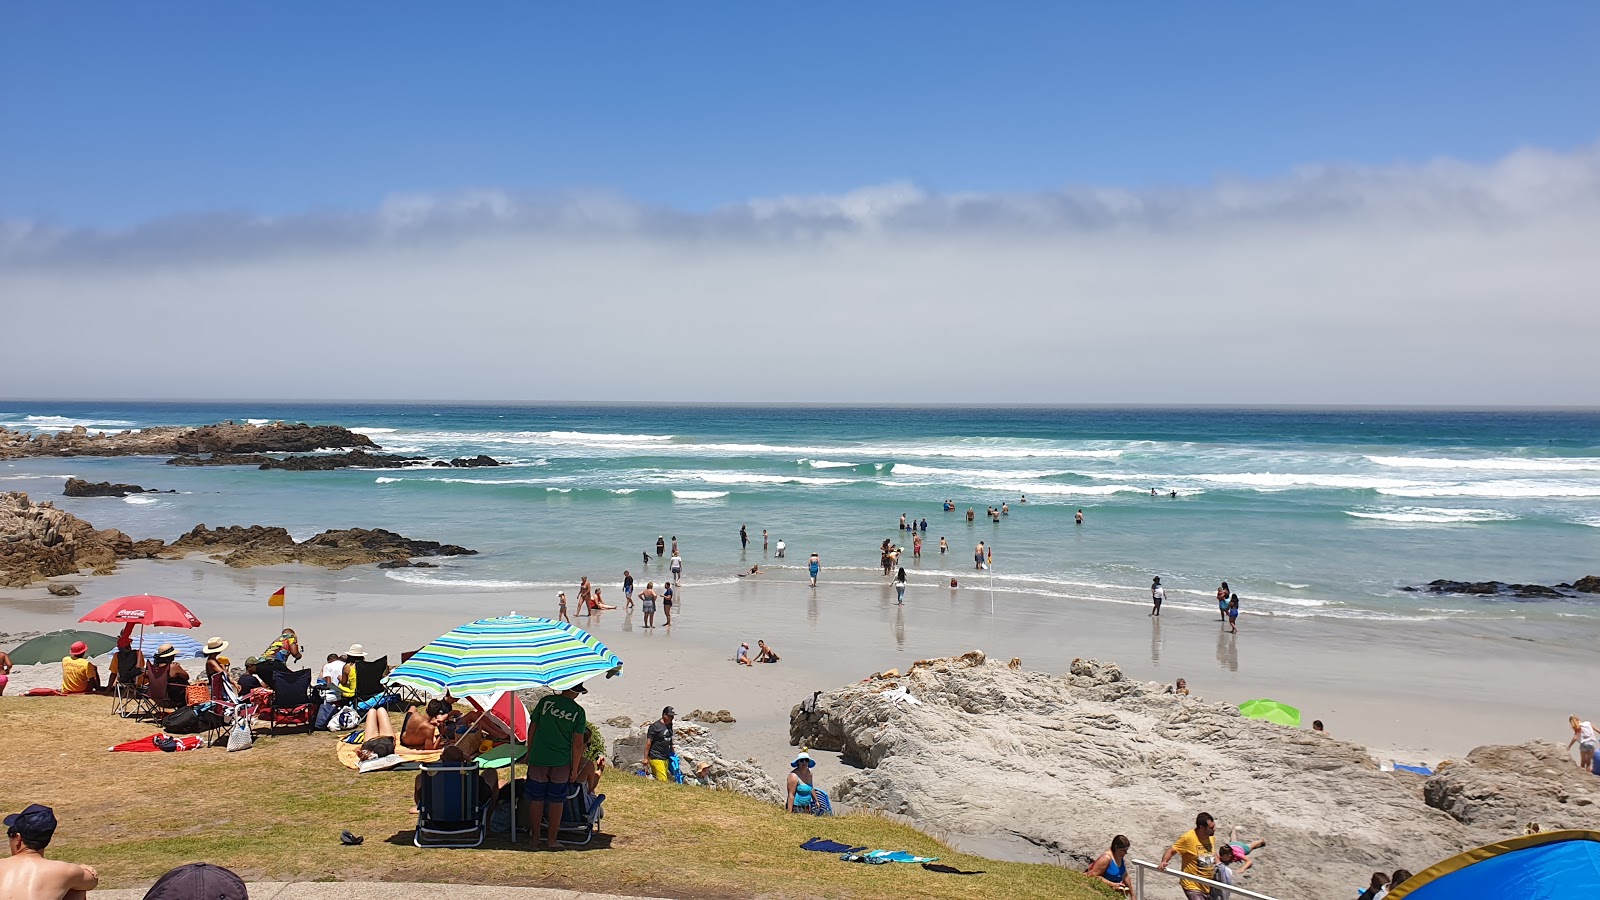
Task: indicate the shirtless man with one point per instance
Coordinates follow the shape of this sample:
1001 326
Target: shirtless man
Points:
421 728
26 874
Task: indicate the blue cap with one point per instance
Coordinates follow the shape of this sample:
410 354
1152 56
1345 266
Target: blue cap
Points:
35 821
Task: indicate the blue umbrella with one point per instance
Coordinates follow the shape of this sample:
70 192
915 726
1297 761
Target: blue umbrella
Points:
186 646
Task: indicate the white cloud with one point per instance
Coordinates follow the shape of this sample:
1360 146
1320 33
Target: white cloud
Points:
1441 283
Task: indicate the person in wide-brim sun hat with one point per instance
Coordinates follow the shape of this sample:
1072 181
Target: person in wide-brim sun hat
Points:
797 795
214 646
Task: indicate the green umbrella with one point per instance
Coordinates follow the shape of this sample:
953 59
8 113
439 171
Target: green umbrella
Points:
1271 711
57 644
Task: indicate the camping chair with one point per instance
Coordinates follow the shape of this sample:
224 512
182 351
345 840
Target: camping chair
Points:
369 678
580 815
128 698
158 690
291 695
453 811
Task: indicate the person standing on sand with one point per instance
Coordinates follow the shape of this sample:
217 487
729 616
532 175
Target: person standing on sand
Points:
1233 613
666 602
1197 851
677 564
814 565
627 587
1222 600
1157 594
647 603
744 538
1583 734
26 874
900 587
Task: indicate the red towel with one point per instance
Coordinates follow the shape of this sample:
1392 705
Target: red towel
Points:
148 744
43 692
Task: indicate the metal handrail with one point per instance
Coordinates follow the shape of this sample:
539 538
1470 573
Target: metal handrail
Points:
1140 865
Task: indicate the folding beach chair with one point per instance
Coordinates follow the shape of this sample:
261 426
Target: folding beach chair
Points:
369 679
580 815
128 697
292 699
454 811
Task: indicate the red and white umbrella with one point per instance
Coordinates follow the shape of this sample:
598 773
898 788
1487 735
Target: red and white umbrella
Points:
144 609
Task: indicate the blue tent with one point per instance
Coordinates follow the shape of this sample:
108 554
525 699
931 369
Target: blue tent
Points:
1551 865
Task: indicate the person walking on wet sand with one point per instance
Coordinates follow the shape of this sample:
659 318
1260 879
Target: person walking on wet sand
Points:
814 565
1222 601
900 587
562 616
1233 613
1157 595
627 587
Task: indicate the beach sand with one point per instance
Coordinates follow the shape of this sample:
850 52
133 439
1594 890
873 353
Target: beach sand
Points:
1412 693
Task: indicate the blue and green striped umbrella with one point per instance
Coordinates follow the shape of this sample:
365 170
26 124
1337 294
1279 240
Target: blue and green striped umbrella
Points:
506 653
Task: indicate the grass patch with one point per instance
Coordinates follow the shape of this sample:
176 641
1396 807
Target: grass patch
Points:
274 813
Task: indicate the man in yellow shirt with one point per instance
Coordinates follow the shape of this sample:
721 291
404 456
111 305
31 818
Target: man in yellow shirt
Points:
1198 849
78 674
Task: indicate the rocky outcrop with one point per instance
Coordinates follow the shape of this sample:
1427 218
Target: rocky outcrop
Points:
711 717
242 547
62 590
355 459
223 437
38 541
77 487
1588 585
473 462
972 747
1502 788
406 564
221 459
696 748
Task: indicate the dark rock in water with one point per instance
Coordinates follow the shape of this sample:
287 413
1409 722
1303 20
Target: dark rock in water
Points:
461 462
63 590
406 564
1588 584
77 487
1495 589
1409 589
221 459
221 438
358 459
258 545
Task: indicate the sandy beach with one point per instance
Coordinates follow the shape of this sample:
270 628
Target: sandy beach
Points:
1410 694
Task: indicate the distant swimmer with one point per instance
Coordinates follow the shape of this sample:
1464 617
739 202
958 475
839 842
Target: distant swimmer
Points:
1157 594
647 557
1024 499
1152 492
661 546
1174 495
754 570
1078 519
970 515
954 583
977 556
943 546
1005 508
923 526
949 506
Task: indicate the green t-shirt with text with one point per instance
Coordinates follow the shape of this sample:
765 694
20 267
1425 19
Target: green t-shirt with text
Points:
555 720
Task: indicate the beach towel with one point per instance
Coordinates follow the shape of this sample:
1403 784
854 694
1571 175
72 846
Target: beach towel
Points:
823 845
381 763
150 745
901 856
347 755
43 692
1417 770
948 870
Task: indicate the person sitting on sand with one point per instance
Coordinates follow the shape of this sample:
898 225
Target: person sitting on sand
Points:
216 671
754 570
1583 735
420 728
1181 688
1111 866
742 655
594 759
599 602
766 655
26 874
1316 726
377 736
78 674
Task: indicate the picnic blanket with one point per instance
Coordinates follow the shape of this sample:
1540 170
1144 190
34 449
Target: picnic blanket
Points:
43 692
149 745
347 755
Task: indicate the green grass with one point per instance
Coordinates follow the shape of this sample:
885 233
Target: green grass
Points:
275 812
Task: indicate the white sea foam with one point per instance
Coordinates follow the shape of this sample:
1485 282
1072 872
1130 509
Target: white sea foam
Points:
558 490
1498 463
412 576
699 495
911 469
1430 515
622 490
389 480
357 430
263 422
62 423
1291 585
140 499
1284 481
1506 489
758 478
1065 490
825 464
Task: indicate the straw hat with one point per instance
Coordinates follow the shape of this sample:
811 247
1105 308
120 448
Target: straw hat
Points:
356 651
166 651
214 645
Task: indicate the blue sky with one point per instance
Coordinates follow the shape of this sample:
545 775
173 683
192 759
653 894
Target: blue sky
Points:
117 113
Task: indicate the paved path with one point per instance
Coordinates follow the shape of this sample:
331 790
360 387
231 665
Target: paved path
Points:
382 890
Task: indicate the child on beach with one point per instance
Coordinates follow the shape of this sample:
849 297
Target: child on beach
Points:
742 656
916 546
943 546
562 616
1233 613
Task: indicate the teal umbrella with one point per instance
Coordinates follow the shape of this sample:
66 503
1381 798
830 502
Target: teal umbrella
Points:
54 646
1271 711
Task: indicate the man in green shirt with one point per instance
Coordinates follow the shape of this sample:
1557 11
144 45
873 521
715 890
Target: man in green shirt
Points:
555 751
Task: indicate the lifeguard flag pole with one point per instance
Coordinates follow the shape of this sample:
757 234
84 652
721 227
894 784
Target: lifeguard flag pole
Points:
277 600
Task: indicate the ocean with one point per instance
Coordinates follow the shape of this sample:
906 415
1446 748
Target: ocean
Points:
1306 513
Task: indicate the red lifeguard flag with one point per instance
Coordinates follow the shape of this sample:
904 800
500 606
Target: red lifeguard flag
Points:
277 598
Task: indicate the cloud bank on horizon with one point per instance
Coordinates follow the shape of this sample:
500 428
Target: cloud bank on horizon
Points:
1443 283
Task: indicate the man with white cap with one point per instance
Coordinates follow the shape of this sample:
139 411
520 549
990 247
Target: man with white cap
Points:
26 874
78 674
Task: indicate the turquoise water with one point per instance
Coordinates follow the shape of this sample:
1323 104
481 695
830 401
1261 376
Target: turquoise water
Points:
1304 512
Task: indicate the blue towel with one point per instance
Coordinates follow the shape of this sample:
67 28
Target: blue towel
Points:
901 856
823 845
1419 770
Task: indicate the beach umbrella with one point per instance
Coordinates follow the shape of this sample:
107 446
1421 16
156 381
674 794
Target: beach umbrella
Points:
1550 865
1271 711
508 709
144 609
56 645
186 646
506 653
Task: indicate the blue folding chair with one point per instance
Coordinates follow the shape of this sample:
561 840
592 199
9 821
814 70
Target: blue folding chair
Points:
454 811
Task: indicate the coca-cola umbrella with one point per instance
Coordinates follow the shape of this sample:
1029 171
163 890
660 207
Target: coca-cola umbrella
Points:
144 609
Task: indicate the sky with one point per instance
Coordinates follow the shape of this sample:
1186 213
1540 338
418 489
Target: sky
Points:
1037 203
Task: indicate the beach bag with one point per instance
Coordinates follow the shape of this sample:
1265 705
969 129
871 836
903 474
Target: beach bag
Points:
345 719
193 720
196 693
325 715
240 738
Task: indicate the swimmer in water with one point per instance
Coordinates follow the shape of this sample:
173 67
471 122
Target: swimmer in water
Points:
1078 519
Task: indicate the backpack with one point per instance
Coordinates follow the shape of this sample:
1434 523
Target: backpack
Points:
193 720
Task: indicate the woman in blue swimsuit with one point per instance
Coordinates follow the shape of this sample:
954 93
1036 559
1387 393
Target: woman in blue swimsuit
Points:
1112 868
